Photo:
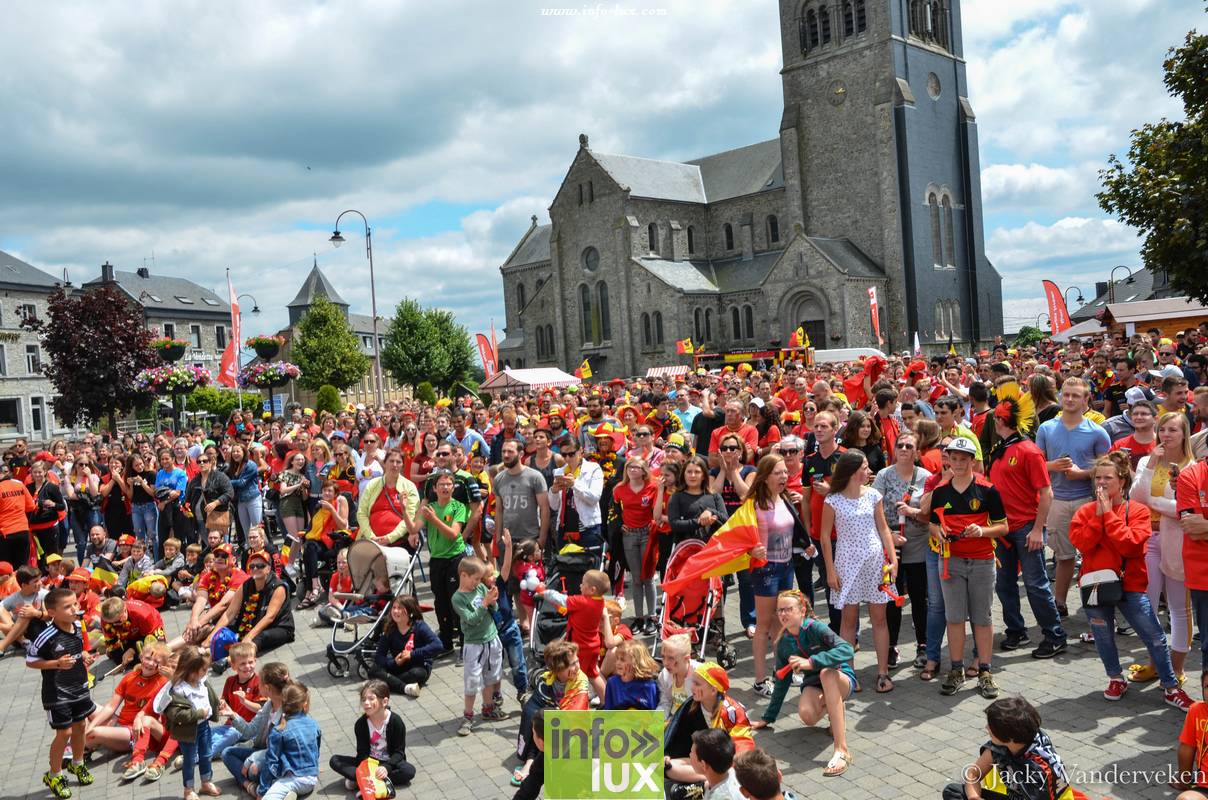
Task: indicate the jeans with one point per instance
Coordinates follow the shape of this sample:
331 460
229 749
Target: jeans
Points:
250 514
513 648
937 622
641 593
145 519
290 783
224 736
197 752
1035 580
1136 609
82 520
237 757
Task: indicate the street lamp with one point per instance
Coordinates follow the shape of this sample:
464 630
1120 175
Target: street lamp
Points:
255 305
1111 282
336 240
1038 316
1066 294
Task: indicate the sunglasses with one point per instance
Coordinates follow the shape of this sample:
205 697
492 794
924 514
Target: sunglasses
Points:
791 452
257 565
729 449
642 435
904 446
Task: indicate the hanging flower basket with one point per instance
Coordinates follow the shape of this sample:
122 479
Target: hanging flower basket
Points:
267 375
174 379
267 347
169 349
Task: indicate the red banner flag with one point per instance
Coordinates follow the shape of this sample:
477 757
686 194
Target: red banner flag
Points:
487 354
876 315
229 367
1059 316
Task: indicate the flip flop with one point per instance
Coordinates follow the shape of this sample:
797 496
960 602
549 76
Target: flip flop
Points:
928 673
837 765
971 671
884 684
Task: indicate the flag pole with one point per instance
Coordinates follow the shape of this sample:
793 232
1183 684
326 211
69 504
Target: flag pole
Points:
238 347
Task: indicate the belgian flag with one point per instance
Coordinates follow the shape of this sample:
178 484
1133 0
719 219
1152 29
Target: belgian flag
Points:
726 552
584 371
684 347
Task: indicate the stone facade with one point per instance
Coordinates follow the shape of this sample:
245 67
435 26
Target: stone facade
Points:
26 395
872 183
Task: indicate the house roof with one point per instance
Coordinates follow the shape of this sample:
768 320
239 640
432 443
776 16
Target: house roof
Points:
742 171
316 284
1138 286
847 257
1148 310
167 293
15 271
534 248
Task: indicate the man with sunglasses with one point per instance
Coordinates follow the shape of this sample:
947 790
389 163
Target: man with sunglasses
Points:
466 489
574 497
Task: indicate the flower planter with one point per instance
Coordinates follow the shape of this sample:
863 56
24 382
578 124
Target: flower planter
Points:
267 374
173 380
268 350
173 353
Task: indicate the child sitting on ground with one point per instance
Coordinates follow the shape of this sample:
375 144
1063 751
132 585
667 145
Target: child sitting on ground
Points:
634 687
341 583
136 566
562 686
243 760
587 622
186 576
24 614
1018 763
381 735
118 725
483 665
406 649
675 681
620 633
240 693
291 760
1193 750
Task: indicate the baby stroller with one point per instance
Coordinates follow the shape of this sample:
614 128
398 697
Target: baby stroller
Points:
369 563
565 576
696 609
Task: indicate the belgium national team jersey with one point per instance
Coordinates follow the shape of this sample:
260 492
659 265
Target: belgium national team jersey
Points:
980 504
817 467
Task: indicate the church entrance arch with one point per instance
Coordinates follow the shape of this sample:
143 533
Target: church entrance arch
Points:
809 310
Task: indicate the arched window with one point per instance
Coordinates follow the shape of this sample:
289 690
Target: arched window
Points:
652 235
602 310
749 320
658 328
708 324
540 341
728 233
940 315
549 341
698 325
949 236
937 256
918 17
824 24
935 22
580 194
585 312
735 324
591 192
811 29
849 21
691 240
521 300
861 17
773 229
645 330
954 318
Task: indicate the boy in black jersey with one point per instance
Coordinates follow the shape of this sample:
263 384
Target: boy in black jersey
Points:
59 651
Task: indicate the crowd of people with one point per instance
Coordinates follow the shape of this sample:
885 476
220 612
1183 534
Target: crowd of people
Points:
936 482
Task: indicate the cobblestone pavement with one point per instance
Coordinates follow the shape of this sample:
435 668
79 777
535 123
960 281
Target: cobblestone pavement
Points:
906 744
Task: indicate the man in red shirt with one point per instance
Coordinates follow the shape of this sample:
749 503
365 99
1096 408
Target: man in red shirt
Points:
126 624
1018 471
734 424
1191 497
215 589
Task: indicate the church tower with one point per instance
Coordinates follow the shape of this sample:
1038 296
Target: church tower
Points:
879 144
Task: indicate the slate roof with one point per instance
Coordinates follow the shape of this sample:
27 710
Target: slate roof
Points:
363 323
166 293
535 247
742 171
15 271
316 283
847 257
1138 287
687 276
729 275
661 180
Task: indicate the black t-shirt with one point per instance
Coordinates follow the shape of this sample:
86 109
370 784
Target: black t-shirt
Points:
729 495
703 427
143 494
465 489
61 686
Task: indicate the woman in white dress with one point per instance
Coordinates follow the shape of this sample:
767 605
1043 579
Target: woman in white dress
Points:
864 545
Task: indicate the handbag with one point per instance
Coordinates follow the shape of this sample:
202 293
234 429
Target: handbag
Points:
1103 587
219 521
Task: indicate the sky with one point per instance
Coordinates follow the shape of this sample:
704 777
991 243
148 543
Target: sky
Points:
193 137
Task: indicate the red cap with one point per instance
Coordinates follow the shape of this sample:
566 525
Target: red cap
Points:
80 574
260 555
6 568
223 549
125 538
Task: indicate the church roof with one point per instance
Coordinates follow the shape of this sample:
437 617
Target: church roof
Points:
660 180
683 275
743 171
847 257
316 284
729 275
535 247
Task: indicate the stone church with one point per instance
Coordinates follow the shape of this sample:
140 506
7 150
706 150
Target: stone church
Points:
873 181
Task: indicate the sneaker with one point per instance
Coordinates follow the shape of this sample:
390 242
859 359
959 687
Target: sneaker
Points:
497 700
350 784
219 666
494 714
1124 630
154 772
84 777
1178 698
1014 641
134 770
467 726
1048 649
57 785
1063 610
894 656
953 681
1142 673
986 685
178 763
1116 688
411 690
750 631
763 688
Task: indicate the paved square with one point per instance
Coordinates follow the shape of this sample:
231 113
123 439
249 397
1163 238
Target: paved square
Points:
906 744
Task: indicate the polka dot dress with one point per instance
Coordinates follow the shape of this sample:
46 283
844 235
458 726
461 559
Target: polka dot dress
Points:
859 555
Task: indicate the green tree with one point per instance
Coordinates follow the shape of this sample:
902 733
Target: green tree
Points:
326 349
1028 335
328 399
220 401
427 345
424 393
1163 190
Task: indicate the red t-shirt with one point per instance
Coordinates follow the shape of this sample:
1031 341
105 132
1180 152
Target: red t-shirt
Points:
748 433
251 691
383 519
637 508
1195 736
216 588
1136 450
979 504
340 583
769 438
137 691
141 621
1018 474
583 616
15 503
1192 498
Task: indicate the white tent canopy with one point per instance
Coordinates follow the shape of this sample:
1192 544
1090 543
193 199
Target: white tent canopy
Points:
1085 328
533 379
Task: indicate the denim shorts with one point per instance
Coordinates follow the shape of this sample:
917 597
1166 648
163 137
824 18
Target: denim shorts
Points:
772 578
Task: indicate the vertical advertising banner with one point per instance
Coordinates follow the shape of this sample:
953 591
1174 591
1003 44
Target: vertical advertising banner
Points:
610 755
876 313
1059 316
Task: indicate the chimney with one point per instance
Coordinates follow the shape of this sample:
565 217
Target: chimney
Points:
143 272
106 273
1100 288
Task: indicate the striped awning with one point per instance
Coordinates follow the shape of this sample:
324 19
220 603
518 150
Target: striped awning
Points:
667 372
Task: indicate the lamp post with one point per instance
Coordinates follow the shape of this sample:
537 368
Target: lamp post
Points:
1066 294
239 345
1038 316
1111 282
336 240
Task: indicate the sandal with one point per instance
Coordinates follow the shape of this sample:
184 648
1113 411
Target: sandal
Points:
837 765
884 684
929 670
971 671
312 597
518 776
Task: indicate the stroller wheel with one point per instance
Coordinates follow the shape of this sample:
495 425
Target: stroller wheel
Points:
338 666
727 656
362 670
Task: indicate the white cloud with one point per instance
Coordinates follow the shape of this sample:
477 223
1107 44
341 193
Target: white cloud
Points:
1036 186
